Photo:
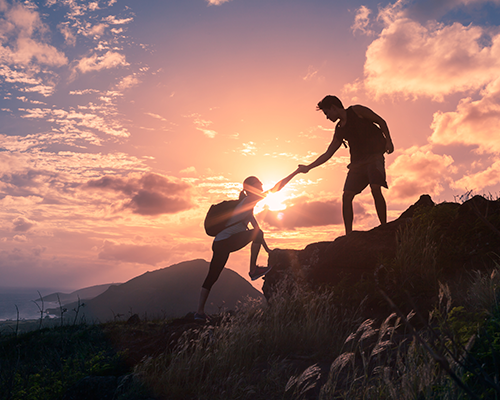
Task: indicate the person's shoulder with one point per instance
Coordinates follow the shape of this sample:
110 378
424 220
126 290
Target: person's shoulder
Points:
358 107
362 111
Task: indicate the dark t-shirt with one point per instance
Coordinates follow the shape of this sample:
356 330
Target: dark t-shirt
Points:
365 138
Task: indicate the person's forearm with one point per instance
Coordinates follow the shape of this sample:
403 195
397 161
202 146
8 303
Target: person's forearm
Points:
389 146
284 181
319 161
385 130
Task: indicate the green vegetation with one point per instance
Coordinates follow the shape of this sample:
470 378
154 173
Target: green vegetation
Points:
306 343
42 364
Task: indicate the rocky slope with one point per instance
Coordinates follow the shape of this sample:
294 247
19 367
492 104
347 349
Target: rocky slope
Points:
455 238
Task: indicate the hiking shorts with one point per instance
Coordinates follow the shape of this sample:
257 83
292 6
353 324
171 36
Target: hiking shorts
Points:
362 175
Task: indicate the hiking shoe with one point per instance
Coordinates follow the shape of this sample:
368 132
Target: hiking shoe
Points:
201 317
259 272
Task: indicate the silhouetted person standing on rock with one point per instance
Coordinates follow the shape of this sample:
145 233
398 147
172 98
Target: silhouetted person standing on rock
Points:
368 138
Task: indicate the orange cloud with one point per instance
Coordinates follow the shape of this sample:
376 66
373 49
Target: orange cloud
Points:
22 24
419 171
481 180
432 60
96 63
473 123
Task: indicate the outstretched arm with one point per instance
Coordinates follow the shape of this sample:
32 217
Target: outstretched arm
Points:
323 158
284 181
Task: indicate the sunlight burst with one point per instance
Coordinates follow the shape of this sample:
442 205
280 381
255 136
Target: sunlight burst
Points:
273 201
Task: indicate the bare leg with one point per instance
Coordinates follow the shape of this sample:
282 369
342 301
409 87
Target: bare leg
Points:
347 211
266 247
380 204
203 299
254 253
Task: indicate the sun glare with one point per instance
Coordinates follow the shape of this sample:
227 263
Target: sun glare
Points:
273 201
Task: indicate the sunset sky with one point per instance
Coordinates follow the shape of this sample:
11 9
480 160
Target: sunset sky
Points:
121 122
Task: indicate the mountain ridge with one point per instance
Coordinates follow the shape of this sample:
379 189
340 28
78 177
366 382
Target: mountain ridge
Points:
85 293
167 293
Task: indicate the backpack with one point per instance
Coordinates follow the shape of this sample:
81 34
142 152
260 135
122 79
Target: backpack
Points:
218 215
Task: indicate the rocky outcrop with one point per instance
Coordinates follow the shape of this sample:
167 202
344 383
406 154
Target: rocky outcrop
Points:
465 236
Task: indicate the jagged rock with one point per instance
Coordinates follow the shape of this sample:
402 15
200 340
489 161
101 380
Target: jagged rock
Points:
466 236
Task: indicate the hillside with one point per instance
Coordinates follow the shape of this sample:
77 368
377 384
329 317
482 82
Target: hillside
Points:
168 292
82 294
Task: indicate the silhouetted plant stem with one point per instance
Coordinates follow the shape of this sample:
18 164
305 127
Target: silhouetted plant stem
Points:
61 309
439 358
77 309
17 320
41 309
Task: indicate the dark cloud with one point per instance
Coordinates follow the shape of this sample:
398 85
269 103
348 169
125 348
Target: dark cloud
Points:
425 10
22 224
27 182
142 254
112 183
154 203
151 194
304 213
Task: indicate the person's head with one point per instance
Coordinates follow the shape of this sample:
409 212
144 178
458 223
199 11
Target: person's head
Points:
328 101
332 107
251 186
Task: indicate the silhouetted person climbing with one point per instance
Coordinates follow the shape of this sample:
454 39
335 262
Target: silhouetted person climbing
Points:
237 235
368 137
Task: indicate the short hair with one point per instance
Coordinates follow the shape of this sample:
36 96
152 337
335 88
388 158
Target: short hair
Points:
328 102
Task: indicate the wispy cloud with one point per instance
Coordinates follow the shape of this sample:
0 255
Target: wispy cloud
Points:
74 121
249 149
128 82
202 125
216 2
362 21
94 62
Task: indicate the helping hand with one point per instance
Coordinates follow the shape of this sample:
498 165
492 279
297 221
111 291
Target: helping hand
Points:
303 168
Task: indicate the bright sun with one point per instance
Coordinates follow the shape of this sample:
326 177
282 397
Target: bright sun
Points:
274 201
